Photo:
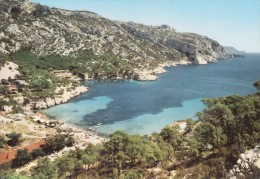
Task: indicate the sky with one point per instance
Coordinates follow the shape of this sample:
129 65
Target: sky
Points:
231 22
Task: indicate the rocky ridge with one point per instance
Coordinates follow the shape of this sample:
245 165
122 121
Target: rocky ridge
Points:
232 51
50 31
44 31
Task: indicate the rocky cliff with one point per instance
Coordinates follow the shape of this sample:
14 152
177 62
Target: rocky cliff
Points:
44 31
248 165
233 52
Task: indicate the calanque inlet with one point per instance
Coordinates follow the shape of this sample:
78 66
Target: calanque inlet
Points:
83 96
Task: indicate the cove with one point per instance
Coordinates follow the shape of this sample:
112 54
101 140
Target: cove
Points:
146 107
149 123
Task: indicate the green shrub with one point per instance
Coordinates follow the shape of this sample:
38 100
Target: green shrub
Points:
22 157
14 138
70 141
4 82
37 153
2 141
17 109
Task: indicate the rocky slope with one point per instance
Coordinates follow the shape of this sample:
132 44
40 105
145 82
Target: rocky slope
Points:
233 52
26 26
45 31
248 165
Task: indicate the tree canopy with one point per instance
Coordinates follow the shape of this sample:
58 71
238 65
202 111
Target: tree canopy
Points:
14 138
207 147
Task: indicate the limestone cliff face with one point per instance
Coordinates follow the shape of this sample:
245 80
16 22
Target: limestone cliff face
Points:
198 49
45 31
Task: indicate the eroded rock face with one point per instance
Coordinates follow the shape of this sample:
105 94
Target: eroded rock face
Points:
46 31
248 165
146 77
198 49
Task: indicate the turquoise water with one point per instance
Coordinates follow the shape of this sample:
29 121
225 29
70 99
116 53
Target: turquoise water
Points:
146 107
149 123
74 112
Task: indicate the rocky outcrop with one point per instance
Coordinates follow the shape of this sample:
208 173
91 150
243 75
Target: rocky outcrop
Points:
233 51
149 75
59 99
44 31
248 165
145 76
9 71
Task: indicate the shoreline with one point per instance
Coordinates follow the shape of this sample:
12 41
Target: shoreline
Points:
36 128
162 68
79 90
77 126
82 135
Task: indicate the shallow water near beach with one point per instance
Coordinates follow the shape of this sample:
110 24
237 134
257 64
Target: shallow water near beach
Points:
146 107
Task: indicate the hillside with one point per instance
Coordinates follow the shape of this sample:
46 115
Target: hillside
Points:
45 52
51 49
50 31
222 143
233 51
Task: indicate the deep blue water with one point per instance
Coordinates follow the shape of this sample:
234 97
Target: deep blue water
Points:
145 107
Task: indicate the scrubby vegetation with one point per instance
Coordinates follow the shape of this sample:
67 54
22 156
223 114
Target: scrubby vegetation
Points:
257 84
207 148
38 72
3 58
14 138
41 82
23 156
97 66
2 141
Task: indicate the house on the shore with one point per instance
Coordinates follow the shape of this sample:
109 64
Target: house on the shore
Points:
63 73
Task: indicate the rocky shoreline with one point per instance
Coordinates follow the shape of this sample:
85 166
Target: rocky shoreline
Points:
151 75
60 99
70 91
142 75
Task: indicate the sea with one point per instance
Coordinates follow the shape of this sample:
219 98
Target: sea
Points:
146 107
